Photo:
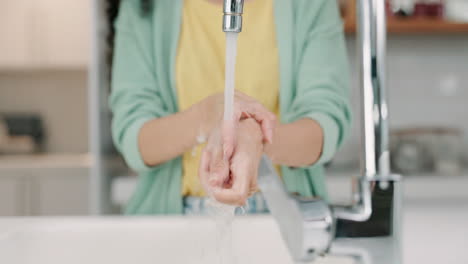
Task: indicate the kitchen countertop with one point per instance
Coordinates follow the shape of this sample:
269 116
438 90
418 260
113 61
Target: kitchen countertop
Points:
435 232
45 161
415 188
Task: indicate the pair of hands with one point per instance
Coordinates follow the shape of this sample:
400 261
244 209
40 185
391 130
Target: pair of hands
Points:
229 164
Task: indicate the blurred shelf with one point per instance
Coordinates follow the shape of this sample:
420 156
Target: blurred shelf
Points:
405 25
417 26
45 161
31 69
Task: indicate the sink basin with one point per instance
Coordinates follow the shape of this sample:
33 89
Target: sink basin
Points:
143 240
433 233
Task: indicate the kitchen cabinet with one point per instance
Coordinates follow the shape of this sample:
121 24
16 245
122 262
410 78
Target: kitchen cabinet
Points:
44 34
11 198
44 186
60 192
16 30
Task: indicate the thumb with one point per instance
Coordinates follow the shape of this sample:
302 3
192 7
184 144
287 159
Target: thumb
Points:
218 167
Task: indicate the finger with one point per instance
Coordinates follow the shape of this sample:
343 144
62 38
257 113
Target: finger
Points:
238 193
253 109
253 183
258 107
205 161
229 196
265 118
218 167
241 176
203 169
245 171
241 180
228 184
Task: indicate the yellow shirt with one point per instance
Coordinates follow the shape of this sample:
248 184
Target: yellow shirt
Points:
201 59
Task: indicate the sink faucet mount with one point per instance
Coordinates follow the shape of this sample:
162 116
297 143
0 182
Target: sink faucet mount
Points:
368 228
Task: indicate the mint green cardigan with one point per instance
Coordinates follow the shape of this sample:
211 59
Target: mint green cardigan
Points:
313 84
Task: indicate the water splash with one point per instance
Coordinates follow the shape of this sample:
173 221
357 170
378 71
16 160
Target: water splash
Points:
223 215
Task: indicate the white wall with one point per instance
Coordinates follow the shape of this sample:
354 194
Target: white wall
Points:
427 85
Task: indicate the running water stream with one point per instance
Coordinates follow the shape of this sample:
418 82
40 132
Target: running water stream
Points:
224 214
231 54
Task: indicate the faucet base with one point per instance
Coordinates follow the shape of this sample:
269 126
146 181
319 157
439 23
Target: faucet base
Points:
378 224
377 240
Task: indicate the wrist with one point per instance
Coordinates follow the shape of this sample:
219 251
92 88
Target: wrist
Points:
198 122
270 149
204 113
194 122
252 131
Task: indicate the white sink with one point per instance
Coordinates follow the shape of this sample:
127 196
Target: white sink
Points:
141 240
433 233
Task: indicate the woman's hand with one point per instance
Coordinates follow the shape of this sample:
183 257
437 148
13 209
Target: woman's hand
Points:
232 181
211 112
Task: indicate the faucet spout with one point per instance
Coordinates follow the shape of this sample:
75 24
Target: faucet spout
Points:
232 19
306 224
371 223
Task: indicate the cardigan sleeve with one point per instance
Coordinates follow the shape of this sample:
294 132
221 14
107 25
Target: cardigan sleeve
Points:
322 78
135 98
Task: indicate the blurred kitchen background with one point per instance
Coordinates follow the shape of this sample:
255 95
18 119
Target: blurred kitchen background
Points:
56 156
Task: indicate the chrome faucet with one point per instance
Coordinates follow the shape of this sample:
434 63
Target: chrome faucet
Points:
232 19
307 225
369 228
